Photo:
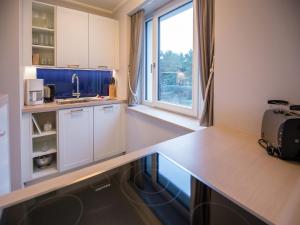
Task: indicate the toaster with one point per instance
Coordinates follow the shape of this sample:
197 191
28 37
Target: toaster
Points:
280 133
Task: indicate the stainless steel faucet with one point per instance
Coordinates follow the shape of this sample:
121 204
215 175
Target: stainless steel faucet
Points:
77 93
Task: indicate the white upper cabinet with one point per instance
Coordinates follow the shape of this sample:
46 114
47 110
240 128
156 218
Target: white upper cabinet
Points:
103 42
72 38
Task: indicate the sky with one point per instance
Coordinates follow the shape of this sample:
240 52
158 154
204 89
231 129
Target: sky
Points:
177 32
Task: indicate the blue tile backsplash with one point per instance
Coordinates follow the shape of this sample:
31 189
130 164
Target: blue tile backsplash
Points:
92 82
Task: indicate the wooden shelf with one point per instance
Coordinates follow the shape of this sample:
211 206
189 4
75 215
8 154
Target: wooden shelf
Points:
34 28
44 66
44 134
43 47
46 171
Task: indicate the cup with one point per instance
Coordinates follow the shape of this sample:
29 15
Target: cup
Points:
43 60
41 39
47 126
36 18
51 40
44 19
35 58
46 39
35 39
50 61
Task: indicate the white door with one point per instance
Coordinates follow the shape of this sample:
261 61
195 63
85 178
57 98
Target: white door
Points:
107 131
72 38
75 137
5 185
103 42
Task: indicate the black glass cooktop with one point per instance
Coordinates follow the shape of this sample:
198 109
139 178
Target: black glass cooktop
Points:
149 191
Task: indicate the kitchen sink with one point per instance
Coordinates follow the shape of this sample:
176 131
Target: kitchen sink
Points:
77 100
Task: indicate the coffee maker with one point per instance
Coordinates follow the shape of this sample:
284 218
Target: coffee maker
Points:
49 93
34 91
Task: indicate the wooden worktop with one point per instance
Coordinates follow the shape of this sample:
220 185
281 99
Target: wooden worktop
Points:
233 164
228 161
3 99
49 107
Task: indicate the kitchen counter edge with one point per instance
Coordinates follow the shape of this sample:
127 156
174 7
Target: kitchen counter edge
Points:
49 107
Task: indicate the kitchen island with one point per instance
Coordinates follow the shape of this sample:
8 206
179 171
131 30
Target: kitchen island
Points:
228 161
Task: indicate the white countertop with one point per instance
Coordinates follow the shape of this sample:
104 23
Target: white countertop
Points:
3 99
230 162
53 106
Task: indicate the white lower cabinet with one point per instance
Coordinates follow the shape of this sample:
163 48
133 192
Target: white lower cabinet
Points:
79 136
4 151
75 137
107 131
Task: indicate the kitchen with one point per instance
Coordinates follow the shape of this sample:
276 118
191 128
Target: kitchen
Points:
83 48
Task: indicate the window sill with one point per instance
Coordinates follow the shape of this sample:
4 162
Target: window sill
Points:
173 118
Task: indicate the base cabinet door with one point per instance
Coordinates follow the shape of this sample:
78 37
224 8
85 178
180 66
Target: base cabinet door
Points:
107 131
75 137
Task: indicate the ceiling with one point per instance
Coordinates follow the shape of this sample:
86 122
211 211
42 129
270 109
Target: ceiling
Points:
107 6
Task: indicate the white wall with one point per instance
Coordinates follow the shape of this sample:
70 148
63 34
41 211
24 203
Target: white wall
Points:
10 82
257 58
143 131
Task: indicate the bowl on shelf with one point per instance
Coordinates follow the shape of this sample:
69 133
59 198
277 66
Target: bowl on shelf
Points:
43 161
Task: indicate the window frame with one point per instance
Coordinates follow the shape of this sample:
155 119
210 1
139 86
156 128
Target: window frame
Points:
194 110
145 101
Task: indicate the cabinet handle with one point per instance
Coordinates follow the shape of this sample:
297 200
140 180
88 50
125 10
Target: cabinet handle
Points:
73 66
76 110
102 67
2 133
107 107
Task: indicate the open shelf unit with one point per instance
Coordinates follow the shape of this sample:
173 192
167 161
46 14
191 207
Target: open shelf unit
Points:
44 143
42 172
43 34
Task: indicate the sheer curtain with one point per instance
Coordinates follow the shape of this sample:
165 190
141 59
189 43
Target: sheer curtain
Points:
205 28
135 67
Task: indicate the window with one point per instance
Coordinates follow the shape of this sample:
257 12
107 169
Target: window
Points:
149 56
169 79
176 56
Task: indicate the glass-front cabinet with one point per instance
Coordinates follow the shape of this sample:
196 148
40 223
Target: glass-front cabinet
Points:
43 34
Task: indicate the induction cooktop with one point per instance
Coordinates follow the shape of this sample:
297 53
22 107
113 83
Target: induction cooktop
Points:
149 191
